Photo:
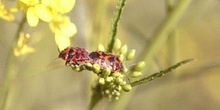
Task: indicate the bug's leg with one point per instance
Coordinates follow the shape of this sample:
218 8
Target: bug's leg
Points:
76 63
67 63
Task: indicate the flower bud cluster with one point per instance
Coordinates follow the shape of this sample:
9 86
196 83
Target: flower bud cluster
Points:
113 83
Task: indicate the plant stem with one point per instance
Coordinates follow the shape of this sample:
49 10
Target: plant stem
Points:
10 69
165 28
172 38
114 23
159 74
97 96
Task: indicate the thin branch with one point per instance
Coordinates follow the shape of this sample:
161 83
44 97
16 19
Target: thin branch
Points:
159 74
167 26
114 23
10 70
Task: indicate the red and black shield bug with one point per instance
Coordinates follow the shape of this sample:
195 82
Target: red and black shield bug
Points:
106 59
74 55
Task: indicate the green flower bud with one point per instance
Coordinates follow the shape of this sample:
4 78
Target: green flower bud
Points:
109 79
138 67
116 98
127 87
116 74
118 88
88 66
107 92
77 69
121 57
106 71
96 68
121 75
124 49
116 93
117 45
130 55
101 47
136 74
118 80
125 70
123 83
101 81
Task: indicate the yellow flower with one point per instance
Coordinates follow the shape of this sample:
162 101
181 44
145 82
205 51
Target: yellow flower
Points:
60 6
51 11
63 29
22 48
37 12
5 13
63 26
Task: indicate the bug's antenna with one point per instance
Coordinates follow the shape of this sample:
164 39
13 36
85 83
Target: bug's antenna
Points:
53 59
58 49
127 77
51 63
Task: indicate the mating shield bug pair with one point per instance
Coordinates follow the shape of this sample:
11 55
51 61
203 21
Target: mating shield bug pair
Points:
103 59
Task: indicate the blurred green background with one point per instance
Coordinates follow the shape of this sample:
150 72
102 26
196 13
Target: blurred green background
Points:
195 86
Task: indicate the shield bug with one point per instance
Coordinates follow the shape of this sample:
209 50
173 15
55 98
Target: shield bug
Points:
106 59
74 55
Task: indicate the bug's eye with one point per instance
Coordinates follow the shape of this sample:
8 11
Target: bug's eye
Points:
62 55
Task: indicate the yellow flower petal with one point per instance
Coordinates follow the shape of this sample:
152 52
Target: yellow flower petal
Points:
68 28
32 18
43 12
29 2
24 50
61 6
62 41
63 26
5 13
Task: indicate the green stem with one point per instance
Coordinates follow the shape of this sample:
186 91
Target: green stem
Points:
165 28
114 23
10 69
169 5
172 44
159 74
96 97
